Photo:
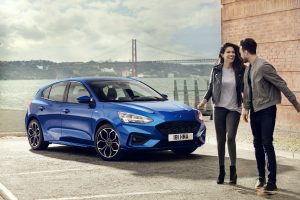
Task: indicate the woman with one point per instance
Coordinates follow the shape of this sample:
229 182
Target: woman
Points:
225 88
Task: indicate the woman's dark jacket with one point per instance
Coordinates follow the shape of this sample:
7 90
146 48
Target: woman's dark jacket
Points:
214 88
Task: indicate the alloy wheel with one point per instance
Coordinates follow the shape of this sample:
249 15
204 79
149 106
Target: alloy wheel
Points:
108 143
34 134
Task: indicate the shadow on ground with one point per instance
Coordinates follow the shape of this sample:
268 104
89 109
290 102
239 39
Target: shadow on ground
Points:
157 162
168 164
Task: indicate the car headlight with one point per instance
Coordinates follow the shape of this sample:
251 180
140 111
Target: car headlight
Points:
133 118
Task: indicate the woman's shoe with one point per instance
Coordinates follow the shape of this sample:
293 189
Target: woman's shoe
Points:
233 175
221 175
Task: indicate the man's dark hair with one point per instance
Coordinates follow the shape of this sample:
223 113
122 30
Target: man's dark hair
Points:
249 44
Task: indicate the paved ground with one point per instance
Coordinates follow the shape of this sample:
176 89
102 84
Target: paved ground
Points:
284 140
76 173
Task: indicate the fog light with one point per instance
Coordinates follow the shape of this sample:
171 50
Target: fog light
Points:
138 139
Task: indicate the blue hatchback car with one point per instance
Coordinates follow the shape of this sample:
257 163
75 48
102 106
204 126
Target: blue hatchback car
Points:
113 115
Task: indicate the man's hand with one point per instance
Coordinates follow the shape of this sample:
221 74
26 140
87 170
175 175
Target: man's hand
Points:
298 107
245 115
201 105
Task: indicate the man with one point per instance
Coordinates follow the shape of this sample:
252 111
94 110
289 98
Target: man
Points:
262 87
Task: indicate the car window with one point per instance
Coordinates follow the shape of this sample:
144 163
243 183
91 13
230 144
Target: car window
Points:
57 92
120 93
76 90
46 92
137 91
124 91
110 89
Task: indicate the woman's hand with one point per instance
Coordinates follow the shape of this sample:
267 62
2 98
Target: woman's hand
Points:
245 115
201 105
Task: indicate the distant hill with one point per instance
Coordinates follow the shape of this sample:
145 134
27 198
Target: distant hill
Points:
43 69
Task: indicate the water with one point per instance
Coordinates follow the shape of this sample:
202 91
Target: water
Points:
16 94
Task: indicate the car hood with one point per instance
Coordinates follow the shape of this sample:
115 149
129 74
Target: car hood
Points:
152 106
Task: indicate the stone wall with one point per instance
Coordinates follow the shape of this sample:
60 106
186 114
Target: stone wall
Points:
275 25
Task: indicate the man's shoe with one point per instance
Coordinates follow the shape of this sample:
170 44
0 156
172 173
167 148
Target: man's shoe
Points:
270 187
260 183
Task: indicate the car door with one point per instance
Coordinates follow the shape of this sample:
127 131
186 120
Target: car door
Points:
77 117
49 111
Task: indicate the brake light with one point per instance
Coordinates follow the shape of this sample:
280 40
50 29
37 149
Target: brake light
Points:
29 104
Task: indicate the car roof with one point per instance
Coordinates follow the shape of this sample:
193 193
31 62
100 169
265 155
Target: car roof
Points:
102 78
90 79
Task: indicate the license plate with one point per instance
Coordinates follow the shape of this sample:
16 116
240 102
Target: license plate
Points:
180 137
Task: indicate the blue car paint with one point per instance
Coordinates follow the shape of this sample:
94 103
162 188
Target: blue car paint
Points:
79 126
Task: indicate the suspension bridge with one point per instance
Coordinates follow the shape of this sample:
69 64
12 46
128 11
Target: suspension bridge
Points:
180 58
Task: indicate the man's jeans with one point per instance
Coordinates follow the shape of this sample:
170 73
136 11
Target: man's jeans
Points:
262 125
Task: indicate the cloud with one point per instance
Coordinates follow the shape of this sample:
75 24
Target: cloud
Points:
81 30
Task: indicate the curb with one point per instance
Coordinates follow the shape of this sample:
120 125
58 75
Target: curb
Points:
249 147
16 134
6 194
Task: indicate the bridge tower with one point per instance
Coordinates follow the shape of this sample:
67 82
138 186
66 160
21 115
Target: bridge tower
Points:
134 57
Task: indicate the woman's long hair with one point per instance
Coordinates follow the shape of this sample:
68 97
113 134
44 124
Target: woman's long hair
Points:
238 61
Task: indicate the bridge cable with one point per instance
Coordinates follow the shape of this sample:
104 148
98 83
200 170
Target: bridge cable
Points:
171 52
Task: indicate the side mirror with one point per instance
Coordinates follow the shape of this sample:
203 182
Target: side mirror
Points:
84 99
164 96
92 103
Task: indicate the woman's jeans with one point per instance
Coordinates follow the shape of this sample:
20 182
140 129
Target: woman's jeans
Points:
262 125
226 121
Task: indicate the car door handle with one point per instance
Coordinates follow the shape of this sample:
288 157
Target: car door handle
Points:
66 110
42 108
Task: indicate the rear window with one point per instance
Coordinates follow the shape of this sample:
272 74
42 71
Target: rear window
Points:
57 92
46 92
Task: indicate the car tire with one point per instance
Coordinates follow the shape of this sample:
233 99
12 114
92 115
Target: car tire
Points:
107 143
184 151
35 136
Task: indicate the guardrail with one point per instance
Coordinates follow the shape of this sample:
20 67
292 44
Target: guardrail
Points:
208 111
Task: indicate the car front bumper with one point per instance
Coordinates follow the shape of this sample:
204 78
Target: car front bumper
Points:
143 137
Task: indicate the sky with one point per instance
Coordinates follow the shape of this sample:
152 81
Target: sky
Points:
101 30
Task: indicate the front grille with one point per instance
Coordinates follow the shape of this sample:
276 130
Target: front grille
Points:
176 127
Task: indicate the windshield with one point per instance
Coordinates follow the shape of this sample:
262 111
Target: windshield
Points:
124 91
